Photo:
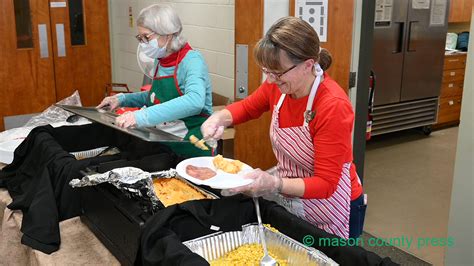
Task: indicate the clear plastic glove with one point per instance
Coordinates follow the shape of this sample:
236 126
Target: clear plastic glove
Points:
126 120
109 103
213 128
263 184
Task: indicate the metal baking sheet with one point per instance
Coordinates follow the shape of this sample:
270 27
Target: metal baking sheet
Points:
214 246
108 118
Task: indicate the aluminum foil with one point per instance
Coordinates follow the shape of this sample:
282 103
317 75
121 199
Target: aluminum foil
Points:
216 245
55 114
135 182
130 180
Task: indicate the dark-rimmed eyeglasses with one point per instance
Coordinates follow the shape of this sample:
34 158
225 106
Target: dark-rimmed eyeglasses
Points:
144 38
277 76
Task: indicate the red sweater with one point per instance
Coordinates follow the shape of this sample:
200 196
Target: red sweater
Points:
331 131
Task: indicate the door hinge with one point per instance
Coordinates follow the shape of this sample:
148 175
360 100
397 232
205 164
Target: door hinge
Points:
352 79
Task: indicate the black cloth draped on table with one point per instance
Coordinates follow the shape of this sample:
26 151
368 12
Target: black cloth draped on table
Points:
162 236
38 178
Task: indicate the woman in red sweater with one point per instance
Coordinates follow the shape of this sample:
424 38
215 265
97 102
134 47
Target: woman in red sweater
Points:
310 131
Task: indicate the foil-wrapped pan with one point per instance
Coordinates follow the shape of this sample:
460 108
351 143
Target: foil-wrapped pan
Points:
134 182
216 245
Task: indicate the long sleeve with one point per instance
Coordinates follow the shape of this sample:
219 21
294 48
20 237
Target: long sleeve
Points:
253 106
332 143
194 82
136 99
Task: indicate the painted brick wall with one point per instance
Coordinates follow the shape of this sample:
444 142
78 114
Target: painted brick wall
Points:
207 24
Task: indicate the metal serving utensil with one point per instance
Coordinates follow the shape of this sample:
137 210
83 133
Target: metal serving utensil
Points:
267 260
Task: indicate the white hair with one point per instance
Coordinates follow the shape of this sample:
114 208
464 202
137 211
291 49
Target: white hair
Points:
163 20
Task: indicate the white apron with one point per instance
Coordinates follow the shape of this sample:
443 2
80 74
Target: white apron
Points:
293 148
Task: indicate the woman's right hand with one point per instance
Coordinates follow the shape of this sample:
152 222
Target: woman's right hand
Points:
213 127
211 130
109 103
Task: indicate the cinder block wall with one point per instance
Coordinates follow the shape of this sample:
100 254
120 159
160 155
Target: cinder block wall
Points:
208 26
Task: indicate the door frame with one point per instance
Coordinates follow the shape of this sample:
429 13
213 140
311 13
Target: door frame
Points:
362 53
249 17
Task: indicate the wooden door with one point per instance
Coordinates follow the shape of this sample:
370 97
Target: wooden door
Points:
49 49
252 142
85 63
26 73
339 39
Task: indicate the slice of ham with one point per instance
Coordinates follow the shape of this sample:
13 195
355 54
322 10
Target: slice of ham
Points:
201 173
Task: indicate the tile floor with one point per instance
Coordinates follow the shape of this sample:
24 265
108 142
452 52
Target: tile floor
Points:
408 179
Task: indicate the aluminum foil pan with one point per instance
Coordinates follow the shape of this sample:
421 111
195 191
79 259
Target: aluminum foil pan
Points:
133 182
88 153
207 194
216 245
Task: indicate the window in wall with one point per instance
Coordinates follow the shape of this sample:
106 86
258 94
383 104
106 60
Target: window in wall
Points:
24 36
76 19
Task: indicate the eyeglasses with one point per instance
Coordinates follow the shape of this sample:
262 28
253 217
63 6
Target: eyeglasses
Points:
277 76
144 38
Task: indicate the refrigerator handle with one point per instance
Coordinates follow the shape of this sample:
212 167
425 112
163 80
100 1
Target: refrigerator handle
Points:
410 47
401 31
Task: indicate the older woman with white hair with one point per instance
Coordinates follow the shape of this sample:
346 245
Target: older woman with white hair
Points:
180 98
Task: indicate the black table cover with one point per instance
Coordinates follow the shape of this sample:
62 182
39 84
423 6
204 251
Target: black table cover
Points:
162 236
38 178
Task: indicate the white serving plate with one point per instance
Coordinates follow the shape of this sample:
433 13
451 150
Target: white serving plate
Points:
221 180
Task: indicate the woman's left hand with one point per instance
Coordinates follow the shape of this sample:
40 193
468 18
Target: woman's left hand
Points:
263 184
126 120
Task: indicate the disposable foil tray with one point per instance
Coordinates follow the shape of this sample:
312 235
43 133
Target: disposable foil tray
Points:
216 245
135 182
205 193
88 153
117 204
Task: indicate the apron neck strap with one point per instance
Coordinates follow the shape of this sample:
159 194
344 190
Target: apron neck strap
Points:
308 114
280 101
175 65
156 69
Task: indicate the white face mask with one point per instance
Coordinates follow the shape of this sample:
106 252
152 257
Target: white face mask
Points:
153 50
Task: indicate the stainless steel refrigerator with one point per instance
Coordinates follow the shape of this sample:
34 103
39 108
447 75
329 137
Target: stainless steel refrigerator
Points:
408 53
